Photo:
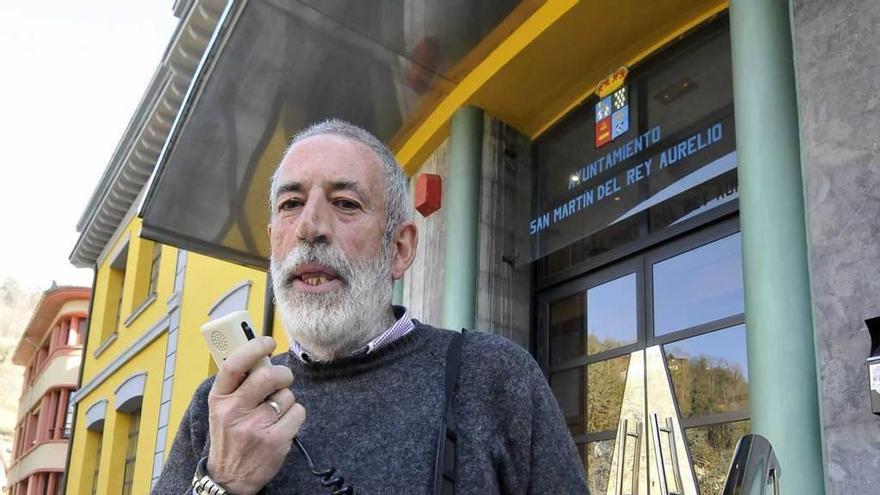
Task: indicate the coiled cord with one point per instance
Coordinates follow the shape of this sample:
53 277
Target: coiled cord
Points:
327 480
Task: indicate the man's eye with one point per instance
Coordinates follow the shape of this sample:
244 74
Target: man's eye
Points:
289 204
346 204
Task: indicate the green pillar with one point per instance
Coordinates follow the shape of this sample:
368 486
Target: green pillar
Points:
398 292
461 205
782 361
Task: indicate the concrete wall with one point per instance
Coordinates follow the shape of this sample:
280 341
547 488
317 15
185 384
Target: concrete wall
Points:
503 302
423 282
837 58
503 291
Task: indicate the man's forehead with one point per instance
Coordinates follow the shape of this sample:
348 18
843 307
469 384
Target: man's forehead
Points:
331 155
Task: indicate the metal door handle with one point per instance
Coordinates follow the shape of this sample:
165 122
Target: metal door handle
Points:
658 454
623 435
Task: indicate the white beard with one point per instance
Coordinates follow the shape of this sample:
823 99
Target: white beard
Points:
331 325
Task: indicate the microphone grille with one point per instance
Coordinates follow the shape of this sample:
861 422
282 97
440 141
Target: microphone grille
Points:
218 339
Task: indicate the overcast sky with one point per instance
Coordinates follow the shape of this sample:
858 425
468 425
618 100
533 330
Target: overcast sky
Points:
72 74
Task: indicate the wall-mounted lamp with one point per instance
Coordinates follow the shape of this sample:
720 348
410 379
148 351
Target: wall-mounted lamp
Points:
874 363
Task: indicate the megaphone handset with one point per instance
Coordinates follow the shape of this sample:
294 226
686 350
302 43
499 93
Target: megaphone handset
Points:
224 336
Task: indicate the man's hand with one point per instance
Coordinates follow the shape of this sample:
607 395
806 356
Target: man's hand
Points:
249 440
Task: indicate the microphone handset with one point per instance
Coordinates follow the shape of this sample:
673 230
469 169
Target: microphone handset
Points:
226 334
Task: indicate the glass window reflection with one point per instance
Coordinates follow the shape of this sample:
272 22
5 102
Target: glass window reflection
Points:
568 388
567 329
598 456
606 381
711 449
702 285
710 372
693 85
611 314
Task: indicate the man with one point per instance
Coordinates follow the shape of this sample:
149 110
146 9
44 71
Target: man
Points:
370 377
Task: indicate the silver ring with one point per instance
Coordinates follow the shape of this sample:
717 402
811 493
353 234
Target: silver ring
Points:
274 405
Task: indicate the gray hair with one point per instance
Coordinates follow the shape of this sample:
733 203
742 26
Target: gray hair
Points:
397 208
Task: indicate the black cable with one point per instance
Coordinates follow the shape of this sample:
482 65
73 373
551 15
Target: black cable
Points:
327 480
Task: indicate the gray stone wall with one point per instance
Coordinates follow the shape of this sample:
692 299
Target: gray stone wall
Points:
837 60
423 282
503 298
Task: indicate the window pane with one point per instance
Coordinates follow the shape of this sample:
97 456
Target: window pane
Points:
598 456
68 417
710 372
702 285
711 450
685 88
674 100
611 314
154 269
131 452
61 480
568 387
605 383
97 465
567 329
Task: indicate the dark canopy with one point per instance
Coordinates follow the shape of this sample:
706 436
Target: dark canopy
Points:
276 66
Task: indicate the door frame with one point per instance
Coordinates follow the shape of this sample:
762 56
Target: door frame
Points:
641 263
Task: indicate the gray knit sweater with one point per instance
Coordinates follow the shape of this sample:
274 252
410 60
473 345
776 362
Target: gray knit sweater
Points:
376 418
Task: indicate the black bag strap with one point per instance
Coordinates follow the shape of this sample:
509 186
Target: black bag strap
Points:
445 474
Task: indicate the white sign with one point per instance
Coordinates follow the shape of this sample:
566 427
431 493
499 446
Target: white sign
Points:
874 371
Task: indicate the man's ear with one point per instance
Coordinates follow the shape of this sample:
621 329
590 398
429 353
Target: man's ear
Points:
405 241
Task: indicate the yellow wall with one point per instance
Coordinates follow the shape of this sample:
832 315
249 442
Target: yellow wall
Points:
116 429
206 280
105 293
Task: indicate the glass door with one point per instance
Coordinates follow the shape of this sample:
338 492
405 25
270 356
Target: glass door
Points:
647 359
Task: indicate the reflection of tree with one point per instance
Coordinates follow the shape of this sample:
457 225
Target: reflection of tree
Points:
705 385
605 383
711 450
702 385
595 345
599 465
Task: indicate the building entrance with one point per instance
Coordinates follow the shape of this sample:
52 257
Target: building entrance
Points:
647 358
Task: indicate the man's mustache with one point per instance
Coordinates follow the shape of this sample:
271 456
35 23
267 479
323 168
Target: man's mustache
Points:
327 255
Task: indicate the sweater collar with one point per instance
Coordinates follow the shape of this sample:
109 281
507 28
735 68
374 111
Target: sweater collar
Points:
402 325
363 362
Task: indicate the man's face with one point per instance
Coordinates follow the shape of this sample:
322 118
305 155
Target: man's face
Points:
329 192
331 269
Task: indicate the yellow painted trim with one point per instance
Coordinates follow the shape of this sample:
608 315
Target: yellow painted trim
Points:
635 60
436 125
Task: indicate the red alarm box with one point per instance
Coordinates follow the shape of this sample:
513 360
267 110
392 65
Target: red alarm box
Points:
428 193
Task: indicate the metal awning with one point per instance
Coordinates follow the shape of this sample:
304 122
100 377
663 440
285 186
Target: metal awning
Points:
275 66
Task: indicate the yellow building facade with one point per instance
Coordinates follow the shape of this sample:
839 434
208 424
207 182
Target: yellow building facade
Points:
141 367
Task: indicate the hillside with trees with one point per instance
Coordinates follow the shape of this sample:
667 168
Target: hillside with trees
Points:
17 303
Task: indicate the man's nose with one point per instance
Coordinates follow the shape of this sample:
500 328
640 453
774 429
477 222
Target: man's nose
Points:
313 226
